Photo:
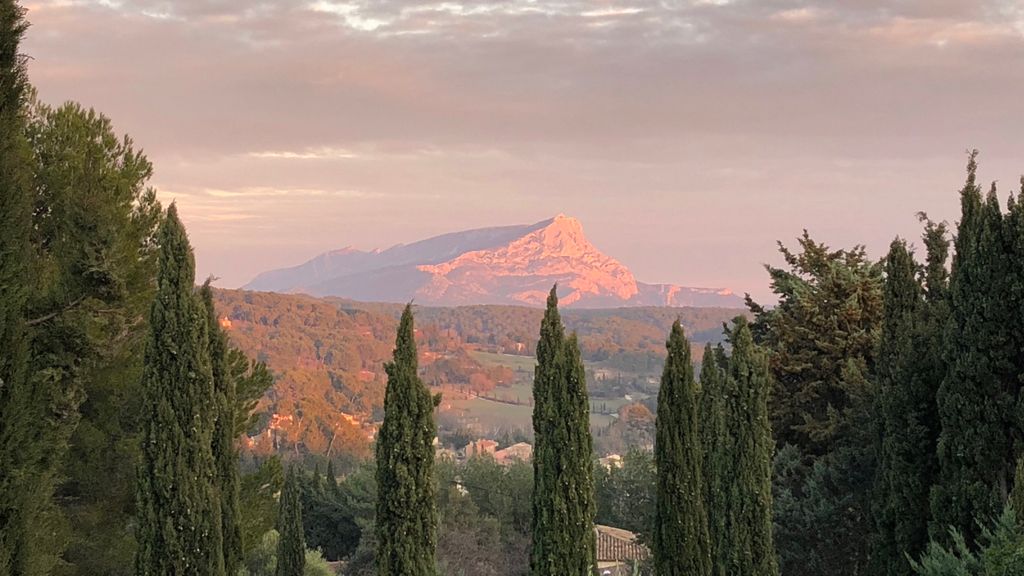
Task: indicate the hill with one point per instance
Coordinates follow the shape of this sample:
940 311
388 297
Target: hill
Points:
327 355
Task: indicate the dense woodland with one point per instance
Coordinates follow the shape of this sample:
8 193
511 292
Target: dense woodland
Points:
868 423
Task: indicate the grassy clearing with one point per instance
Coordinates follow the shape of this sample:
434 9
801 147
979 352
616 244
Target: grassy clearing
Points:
516 363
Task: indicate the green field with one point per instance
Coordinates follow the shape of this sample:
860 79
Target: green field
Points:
513 361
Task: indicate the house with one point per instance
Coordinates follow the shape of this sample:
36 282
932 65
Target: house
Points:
618 551
521 451
611 461
479 448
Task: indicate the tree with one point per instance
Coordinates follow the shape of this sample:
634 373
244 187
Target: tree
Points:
681 542
328 520
908 370
750 548
19 413
94 241
978 400
626 494
251 380
716 442
564 543
821 340
258 501
179 527
262 559
825 326
406 491
224 434
291 548
997 551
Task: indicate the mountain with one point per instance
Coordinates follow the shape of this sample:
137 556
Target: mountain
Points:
504 265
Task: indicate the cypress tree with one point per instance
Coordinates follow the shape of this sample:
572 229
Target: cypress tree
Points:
332 478
223 445
564 542
906 450
179 516
291 546
977 401
716 442
1017 494
681 542
750 548
406 490
19 411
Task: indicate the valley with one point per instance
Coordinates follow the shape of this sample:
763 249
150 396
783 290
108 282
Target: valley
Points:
327 356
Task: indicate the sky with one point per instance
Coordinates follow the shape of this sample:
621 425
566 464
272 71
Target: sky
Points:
688 136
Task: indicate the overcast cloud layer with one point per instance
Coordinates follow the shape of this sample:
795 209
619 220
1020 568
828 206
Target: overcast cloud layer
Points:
687 136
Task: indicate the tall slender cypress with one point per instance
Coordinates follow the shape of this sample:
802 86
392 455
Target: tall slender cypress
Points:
291 545
564 543
750 549
179 516
681 542
906 449
18 416
223 444
977 401
406 490
716 442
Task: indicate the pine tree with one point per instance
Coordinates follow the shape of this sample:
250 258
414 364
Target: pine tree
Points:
94 251
18 415
406 490
179 516
978 399
564 543
681 542
716 443
223 444
750 548
291 546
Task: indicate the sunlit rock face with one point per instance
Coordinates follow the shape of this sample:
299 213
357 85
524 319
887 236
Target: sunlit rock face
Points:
506 265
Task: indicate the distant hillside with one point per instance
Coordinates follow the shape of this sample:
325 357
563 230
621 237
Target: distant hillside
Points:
328 355
506 265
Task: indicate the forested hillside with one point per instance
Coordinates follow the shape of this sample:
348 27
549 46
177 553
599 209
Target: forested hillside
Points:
327 356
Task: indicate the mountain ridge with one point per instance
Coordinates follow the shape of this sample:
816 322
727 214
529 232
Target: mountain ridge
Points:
500 265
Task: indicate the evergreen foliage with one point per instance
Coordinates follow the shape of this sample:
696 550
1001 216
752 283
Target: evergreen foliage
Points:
224 434
96 260
407 520
258 501
716 443
750 546
997 551
626 494
978 400
822 337
821 340
328 521
898 497
564 542
20 457
909 370
291 547
179 515
681 542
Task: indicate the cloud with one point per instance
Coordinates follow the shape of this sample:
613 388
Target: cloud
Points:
323 153
630 115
